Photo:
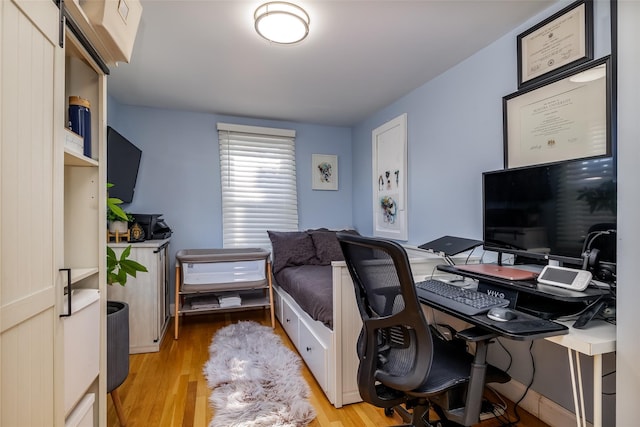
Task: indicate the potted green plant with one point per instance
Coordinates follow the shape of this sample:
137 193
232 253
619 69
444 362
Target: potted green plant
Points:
118 270
117 218
119 267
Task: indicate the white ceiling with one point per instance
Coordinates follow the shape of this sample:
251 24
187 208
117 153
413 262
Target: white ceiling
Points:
360 55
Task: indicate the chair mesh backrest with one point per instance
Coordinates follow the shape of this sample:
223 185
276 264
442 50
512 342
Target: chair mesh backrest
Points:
395 332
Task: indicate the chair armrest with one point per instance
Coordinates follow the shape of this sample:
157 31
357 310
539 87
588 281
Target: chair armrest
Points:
475 334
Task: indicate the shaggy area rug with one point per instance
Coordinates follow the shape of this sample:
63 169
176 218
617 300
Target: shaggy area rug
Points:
256 380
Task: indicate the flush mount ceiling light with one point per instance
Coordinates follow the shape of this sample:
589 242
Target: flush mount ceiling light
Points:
281 22
589 75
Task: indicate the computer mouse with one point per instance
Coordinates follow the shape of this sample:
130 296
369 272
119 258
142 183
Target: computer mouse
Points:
501 314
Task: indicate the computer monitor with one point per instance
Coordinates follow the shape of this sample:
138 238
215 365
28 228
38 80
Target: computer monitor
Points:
552 212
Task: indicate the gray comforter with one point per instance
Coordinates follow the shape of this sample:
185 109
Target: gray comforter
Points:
311 286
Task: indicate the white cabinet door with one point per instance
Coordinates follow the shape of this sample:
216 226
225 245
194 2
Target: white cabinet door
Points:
31 123
145 294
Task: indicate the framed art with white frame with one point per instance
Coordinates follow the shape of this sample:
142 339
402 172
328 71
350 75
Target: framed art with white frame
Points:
565 119
324 172
389 153
556 44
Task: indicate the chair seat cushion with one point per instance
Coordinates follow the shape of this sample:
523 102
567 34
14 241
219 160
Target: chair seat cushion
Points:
451 367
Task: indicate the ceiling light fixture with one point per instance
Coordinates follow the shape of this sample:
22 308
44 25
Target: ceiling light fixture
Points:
589 75
281 22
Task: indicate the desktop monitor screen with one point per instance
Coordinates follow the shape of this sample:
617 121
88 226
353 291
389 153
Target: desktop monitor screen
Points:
554 211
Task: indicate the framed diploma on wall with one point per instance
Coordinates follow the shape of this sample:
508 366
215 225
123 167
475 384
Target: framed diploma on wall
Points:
563 119
560 42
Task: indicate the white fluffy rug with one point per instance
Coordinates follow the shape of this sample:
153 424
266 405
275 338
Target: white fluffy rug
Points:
256 380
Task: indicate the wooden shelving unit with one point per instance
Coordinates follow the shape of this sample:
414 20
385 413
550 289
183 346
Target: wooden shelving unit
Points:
83 230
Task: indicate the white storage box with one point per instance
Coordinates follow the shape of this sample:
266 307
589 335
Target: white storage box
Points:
73 142
116 22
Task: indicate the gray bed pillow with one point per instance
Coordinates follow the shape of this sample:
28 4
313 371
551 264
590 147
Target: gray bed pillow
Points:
327 245
291 248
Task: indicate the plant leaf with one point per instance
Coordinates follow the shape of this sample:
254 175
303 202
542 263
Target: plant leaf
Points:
125 253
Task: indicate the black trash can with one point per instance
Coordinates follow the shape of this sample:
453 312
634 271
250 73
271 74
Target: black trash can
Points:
117 344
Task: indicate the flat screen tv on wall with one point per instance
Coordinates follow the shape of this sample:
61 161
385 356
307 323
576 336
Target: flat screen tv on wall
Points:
123 161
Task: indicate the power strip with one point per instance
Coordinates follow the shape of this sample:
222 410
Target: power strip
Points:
490 410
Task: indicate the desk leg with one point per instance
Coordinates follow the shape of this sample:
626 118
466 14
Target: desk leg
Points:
597 390
177 307
579 369
581 421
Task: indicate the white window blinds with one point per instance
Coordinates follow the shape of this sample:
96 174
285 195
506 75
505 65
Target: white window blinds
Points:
258 175
576 216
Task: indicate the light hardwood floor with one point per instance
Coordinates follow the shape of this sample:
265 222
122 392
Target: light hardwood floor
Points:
168 388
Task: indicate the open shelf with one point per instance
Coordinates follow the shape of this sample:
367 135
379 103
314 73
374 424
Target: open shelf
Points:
77 274
74 159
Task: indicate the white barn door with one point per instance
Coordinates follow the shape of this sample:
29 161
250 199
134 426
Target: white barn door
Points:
31 121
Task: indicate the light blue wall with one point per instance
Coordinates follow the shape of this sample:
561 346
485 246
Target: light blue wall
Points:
454 133
179 175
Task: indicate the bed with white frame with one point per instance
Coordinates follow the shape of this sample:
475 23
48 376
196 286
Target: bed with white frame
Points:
330 353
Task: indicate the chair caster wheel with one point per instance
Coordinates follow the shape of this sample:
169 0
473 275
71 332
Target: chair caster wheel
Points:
388 412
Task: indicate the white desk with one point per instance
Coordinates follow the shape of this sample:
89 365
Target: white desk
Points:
598 339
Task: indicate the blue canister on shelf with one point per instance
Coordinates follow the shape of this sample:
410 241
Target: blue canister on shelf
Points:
80 120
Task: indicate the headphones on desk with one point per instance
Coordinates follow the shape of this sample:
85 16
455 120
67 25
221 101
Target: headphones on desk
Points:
603 272
591 259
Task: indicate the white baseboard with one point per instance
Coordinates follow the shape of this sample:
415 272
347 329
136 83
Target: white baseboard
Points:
537 405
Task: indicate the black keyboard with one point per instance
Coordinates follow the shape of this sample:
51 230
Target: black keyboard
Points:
465 301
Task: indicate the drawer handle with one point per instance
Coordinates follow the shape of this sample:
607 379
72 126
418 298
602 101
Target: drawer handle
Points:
67 292
288 320
308 349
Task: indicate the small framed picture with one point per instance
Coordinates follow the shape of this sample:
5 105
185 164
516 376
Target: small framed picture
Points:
324 172
556 44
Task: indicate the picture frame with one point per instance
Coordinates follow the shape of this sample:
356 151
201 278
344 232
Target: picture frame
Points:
389 179
559 43
324 172
566 118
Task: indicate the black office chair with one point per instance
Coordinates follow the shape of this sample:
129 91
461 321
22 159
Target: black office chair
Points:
401 362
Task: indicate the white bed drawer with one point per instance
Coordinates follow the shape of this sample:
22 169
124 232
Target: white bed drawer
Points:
314 354
277 305
290 324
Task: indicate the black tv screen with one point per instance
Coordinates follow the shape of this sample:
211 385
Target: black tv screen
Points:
554 211
123 161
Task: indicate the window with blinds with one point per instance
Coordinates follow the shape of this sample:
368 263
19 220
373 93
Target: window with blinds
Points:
259 193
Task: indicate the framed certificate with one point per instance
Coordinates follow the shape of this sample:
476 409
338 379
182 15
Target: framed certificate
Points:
556 44
563 119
